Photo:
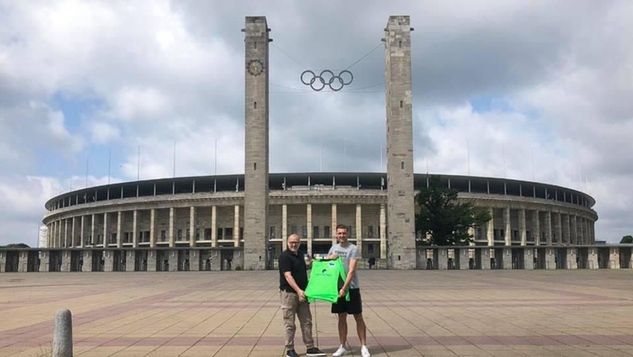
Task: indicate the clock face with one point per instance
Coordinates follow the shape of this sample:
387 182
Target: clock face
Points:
255 67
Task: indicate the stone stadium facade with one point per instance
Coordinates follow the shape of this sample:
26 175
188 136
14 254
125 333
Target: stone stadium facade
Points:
242 221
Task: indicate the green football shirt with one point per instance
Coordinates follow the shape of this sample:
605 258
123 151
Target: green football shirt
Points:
326 276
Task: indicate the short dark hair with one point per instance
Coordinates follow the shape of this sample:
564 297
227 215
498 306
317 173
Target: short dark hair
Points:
342 226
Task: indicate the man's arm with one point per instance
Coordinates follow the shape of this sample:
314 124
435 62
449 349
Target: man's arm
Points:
293 284
350 275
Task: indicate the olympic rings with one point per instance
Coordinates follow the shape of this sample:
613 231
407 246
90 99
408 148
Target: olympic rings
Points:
327 78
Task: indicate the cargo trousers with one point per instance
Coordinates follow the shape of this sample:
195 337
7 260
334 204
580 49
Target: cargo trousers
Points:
291 306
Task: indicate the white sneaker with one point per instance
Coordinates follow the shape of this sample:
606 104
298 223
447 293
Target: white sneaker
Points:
341 351
364 351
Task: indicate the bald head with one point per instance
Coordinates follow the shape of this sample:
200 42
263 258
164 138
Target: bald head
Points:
294 241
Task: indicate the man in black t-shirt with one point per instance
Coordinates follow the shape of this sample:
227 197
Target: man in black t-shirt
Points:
293 279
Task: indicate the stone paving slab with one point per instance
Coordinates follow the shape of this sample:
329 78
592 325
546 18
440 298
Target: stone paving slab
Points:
408 313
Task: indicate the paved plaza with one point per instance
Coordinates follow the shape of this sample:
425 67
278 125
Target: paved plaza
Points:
408 313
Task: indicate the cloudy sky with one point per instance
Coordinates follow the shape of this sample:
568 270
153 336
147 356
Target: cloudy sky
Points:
534 90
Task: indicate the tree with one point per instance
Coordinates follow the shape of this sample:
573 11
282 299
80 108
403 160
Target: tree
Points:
627 239
443 218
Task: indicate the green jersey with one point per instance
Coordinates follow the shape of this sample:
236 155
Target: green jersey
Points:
326 278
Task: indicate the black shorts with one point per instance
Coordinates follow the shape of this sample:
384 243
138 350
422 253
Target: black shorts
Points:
353 306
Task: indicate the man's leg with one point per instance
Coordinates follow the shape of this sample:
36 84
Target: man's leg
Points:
361 329
342 328
289 302
305 322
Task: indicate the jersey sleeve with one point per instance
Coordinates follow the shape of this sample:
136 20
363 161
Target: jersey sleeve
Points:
354 253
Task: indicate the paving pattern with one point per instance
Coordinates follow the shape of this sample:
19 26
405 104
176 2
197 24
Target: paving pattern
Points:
408 313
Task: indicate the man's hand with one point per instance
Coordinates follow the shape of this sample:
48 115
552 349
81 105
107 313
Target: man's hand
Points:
302 295
342 292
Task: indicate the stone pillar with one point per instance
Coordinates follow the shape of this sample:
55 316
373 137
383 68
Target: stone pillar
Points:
256 144
135 228
572 263
92 231
119 229
192 226
81 232
130 260
66 238
216 260
558 228
593 258
105 229
172 238
614 258
23 262
214 227
65 261
3 261
194 260
359 228
548 227
566 229
442 258
383 232
507 258
284 226
485 259
108 260
522 227
574 230
173 259
86 266
507 228
309 227
464 259
151 260
490 230
528 258
334 223
44 260
236 228
152 228
550 258
73 235
400 193
536 227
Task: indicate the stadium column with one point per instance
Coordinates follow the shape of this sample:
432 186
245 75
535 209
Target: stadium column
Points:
135 228
490 230
66 233
565 228
171 227
548 227
192 226
522 227
400 194
214 225
152 228
359 229
72 232
256 143
236 226
81 232
383 232
284 226
558 228
334 223
92 230
105 229
119 219
536 227
507 227
309 227
573 230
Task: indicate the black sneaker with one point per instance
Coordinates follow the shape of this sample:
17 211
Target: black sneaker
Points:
291 353
314 352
